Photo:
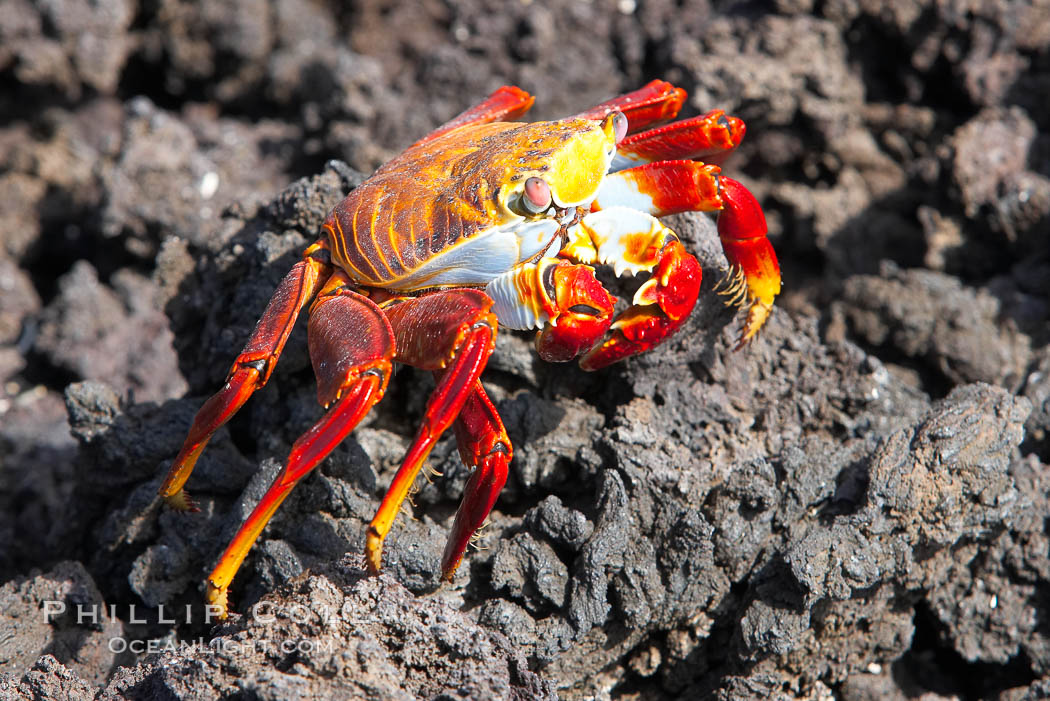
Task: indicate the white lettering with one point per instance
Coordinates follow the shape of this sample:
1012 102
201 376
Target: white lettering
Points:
212 611
131 615
303 614
160 616
86 612
53 608
258 615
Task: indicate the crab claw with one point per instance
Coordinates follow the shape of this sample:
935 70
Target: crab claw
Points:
742 229
564 300
670 187
659 308
583 312
634 241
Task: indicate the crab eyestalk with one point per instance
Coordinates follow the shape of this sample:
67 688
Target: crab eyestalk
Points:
620 125
536 195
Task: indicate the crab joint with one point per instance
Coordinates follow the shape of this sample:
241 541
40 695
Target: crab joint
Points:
564 299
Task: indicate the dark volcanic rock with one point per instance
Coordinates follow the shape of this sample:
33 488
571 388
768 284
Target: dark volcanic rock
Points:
48 679
931 318
114 334
59 614
343 634
69 45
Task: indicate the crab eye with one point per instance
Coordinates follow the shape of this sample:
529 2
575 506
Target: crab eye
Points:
537 196
618 120
619 125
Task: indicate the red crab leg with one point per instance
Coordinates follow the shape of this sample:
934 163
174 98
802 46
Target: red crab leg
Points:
670 187
742 230
251 369
351 349
630 240
503 105
452 331
662 188
485 447
710 137
657 101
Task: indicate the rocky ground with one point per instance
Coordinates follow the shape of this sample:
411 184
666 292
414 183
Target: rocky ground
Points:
856 506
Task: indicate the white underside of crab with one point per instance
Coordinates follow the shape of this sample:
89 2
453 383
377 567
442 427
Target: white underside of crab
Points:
619 191
485 256
621 237
500 258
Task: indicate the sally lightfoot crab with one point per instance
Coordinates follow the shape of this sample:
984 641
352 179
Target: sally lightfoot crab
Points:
482 223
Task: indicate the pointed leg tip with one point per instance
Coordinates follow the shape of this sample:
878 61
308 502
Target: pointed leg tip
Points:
449 574
757 316
218 597
180 501
373 553
450 562
589 363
